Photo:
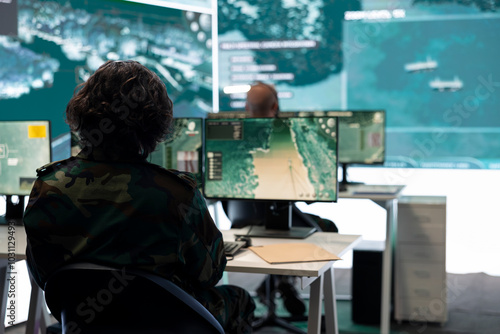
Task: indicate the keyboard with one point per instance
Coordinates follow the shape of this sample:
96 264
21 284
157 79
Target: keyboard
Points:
231 247
376 190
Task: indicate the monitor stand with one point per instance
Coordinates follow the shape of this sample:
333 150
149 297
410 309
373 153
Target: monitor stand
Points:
14 211
278 224
345 183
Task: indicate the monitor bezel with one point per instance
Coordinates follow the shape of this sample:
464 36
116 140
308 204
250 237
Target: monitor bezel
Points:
281 115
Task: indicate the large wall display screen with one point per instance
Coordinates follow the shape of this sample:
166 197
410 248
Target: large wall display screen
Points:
61 43
295 45
433 66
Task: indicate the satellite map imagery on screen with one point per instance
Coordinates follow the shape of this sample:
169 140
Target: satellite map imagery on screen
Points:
62 42
431 64
288 159
295 45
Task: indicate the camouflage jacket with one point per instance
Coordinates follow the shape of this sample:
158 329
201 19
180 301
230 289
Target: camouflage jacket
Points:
122 213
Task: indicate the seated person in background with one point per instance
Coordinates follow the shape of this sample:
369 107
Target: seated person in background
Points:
109 206
262 101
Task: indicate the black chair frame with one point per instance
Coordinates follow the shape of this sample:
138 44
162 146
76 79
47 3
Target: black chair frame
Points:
92 299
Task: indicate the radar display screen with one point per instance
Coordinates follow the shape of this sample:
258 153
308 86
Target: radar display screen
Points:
291 158
24 147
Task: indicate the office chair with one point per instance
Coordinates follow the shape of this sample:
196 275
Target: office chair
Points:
92 299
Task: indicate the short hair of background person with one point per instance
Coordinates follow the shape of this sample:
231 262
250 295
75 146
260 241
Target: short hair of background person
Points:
123 108
262 100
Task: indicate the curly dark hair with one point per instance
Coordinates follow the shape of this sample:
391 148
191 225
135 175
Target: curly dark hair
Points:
123 108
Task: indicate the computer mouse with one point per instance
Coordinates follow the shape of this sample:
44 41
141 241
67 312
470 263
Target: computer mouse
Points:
247 240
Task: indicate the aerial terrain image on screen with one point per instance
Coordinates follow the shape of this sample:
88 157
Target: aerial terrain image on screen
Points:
280 159
62 42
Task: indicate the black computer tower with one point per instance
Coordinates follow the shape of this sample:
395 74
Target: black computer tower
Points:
367 284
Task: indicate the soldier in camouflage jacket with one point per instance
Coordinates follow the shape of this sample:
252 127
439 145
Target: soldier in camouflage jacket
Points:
109 206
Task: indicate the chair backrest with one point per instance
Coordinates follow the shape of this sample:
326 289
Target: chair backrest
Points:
88 298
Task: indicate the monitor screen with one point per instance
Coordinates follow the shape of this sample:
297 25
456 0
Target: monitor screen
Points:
291 158
361 137
183 149
24 147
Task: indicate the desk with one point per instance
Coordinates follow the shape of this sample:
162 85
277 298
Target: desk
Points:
385 196
38 317
319 275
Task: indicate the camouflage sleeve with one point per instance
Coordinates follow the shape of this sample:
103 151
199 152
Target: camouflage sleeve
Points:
42 254
202 253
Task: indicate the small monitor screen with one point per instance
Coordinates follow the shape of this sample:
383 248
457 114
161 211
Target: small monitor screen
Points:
183 149
361 137
24 147
290 158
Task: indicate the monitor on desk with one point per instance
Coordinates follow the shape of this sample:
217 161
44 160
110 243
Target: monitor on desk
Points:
361 140
24 147
274 161
183 149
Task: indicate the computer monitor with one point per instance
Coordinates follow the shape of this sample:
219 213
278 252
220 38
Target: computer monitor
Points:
277 160
24 147
183 149
361 140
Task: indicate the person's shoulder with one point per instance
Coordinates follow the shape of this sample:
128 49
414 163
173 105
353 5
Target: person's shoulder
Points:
187 179
53 166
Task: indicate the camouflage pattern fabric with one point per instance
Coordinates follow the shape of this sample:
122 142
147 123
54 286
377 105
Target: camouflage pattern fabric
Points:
91 208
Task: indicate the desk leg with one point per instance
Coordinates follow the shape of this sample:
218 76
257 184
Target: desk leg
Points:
315 303
38 317
330 303
4 291
392 210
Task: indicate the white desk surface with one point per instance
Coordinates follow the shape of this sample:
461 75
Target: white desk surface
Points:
372 191
247 261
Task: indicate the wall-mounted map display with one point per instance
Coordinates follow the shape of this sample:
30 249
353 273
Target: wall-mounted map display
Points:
61 43
434 70
431 64
295 45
